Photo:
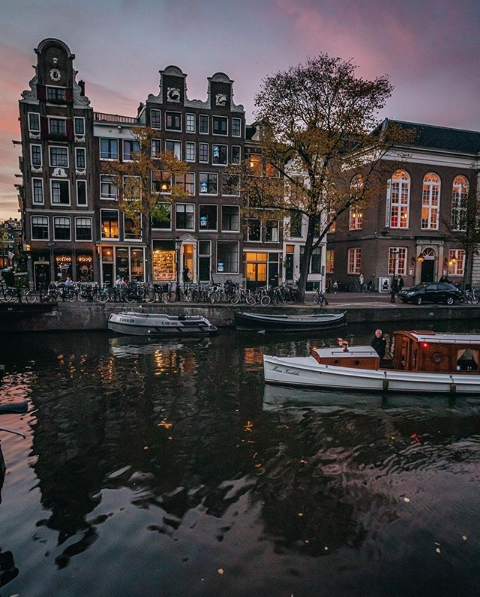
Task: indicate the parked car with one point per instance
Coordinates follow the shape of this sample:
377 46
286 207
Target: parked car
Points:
435 292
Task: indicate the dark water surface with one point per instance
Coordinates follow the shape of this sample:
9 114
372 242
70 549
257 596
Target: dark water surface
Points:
169 469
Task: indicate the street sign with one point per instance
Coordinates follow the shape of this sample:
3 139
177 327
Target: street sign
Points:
51 244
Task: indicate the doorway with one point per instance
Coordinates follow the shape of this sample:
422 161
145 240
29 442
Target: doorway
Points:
428 270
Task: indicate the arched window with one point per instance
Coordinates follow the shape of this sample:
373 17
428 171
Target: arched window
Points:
430 201
355 220
459 203
398 200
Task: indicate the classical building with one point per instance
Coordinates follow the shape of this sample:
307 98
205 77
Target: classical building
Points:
412 230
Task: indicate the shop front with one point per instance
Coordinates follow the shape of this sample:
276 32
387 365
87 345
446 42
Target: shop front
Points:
262 269
84 268
124 262
63 267
165 259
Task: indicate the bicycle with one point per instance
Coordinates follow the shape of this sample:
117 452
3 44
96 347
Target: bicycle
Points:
319 298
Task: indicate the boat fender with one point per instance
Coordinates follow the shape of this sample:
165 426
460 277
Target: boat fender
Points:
385 384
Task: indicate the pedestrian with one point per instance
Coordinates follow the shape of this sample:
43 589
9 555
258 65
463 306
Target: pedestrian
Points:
393 290
335 287
68 281
400 283
379 343
361 281
186 274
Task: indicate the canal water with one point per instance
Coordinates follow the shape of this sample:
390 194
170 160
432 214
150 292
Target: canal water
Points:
169 469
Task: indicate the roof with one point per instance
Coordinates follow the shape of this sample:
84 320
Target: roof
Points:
439 137
435 338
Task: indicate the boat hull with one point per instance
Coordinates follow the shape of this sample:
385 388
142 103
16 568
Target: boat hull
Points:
286 323
133 324
307 372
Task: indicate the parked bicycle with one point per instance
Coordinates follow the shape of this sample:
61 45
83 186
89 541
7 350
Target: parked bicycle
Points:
319 298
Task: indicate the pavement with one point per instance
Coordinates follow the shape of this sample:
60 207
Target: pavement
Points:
359 299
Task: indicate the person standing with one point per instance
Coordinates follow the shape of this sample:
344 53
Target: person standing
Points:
361 281
379 343
393 290
400 283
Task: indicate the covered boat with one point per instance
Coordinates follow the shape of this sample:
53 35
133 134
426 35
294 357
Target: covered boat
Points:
422 361
159 324
286 323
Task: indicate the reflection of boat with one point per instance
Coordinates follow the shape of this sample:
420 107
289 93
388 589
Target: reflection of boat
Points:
124 346
159 324
425 362
286 323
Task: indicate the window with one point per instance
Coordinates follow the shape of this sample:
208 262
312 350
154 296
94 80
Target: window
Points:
459 203
59 156
355 219
161 182
155 119
37 190
162 216
208 183
156 148
174 147
61 228
204 260
398 200
397 261
184 216
255 165
190 151
220 125
83 228
354 261
236 154
330 261
132 227
61 192
208 217
254 230
79 126
80 162
230 185
34 122
316 261
173 121
190 123
203 124
271 231
109 219
109 149
203 153
430 201
296 225
56 93
456 262
220 154
57 126
108 187
130 148
236 127
230 218
132 188
187 182
227 257
39 228
81 192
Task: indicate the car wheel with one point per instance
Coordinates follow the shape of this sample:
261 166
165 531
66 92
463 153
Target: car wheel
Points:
418 300
450 300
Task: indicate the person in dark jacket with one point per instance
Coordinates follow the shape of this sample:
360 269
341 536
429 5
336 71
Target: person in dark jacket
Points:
379 343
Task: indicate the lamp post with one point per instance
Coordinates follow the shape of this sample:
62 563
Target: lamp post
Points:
178 246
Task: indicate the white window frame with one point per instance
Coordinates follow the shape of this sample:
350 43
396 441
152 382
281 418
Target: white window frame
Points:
224 118
112 179
200 229
186 205
460 190
189 122
32 130
239 147
50 118
75 120
109 139
169 205
156 154
42 202
226 231
159 112
124 142
60 181
84 240
219 145
277 228
77 151
65 240
430 195
131 239
77 182
180 118
239 120
208 124
355 218
178 144
199 184
117 238
354 260
32 145
398 186
191 145
397 261
238 257
200 161
457 268
63 147
48 228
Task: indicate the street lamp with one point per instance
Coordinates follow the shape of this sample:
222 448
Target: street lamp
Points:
178 246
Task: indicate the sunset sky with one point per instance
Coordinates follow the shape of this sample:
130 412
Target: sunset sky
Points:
430 49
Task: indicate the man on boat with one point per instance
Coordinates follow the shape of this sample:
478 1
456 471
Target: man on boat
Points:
379 343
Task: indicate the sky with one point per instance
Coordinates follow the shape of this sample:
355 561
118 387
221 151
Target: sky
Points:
430 50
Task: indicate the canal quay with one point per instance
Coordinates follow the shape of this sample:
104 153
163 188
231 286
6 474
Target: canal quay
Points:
155 467
360 308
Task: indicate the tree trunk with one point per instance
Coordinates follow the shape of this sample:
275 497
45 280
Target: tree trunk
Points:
305 261
148 249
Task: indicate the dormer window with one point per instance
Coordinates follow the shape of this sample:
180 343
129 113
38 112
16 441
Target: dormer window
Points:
56 93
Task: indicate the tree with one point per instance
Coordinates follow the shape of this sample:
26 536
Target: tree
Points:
139 183
320 135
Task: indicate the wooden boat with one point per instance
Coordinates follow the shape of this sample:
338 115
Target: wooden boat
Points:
159 324
423 361
285 323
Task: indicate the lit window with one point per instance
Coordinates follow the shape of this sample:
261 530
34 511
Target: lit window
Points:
398 200
456 262
430 201
354 261
397 261
459 203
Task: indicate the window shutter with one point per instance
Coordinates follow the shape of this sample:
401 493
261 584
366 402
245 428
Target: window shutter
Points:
69 129
41 92
44 126
388 206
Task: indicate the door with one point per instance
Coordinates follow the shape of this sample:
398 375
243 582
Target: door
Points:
289 266
273 274
42 274
428 269
256 275
107 274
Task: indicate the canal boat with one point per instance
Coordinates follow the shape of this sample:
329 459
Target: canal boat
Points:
422 361
289 323
159 324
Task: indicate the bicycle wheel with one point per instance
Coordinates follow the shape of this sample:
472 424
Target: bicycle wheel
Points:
250 299
71 296
235 299
11 295
31 297
102 296
315 299
265 300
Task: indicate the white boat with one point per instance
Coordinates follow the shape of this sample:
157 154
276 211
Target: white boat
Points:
288 323
159 324
423 361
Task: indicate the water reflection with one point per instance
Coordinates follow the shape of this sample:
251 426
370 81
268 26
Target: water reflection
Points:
147 452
